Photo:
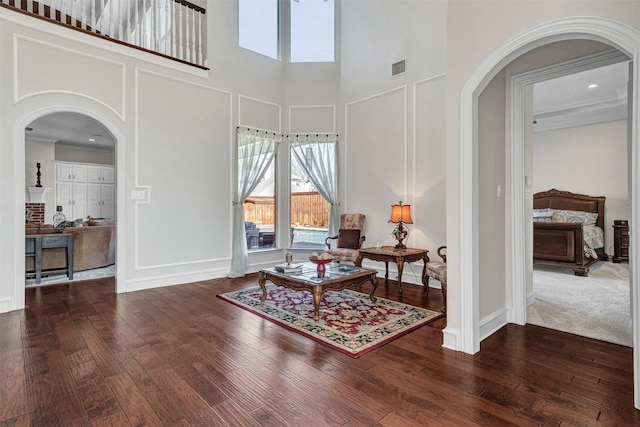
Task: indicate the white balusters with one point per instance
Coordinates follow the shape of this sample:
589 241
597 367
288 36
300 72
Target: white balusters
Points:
170 27
180 45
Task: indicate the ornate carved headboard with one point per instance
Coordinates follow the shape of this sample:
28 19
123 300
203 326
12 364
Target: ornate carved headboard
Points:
556 199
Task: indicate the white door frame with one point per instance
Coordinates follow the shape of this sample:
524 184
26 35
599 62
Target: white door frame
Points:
520 220
613 33
19 146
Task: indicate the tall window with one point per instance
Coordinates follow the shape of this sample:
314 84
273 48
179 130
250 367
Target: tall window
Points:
260 212
312 30
313 192
258 26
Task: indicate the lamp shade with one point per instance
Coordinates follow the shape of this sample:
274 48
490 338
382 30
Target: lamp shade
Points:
401 213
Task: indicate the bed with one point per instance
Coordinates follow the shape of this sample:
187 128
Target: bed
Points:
568 230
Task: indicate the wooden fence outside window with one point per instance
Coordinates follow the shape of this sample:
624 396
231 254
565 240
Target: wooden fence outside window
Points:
307 209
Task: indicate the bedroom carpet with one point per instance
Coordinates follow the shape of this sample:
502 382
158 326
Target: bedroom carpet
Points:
597 306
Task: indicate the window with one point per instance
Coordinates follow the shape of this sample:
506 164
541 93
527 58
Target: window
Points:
260 212
258 26
313 192
312 30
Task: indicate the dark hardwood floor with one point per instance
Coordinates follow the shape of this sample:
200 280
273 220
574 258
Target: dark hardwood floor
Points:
79 354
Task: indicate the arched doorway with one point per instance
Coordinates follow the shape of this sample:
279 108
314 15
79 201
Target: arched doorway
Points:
20 127
618 36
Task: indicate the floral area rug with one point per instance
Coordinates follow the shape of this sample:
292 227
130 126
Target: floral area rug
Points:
349 321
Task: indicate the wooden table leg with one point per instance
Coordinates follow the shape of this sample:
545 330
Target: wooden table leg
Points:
374 285
400 263
317 297
261 280
386 269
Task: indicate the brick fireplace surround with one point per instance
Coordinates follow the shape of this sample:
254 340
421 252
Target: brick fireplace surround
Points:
35 212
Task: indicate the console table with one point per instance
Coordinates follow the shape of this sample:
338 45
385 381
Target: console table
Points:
35 243
388 254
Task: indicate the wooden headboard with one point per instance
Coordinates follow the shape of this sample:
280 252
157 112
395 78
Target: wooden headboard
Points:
556 199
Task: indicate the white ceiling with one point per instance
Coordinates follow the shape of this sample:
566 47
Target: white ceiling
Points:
568 101
70 129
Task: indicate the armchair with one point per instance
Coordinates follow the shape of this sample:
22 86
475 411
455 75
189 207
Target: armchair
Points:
349 239
438 270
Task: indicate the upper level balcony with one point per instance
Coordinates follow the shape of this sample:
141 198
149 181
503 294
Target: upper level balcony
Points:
175 29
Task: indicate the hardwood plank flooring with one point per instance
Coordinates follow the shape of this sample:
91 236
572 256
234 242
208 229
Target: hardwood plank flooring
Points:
80 354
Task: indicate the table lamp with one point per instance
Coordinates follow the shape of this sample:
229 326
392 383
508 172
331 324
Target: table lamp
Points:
401 214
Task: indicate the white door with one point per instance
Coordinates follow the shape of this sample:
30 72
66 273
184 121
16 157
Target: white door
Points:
94 200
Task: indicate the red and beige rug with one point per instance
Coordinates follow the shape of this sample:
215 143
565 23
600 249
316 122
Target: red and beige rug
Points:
349 321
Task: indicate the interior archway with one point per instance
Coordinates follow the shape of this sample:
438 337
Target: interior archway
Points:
618 36
20 147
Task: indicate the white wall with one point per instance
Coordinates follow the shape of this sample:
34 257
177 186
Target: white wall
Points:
476 29
175 130
393 146
586 160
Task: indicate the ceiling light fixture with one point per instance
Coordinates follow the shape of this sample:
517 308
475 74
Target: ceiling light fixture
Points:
91 140
593 86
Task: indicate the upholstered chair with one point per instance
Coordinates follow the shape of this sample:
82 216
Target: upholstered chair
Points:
349 239
438 270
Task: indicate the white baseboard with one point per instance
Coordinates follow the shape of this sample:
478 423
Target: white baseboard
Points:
493 322
451 338
6 305
174 279
531 299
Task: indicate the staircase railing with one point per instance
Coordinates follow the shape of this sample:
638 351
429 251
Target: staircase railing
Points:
174 29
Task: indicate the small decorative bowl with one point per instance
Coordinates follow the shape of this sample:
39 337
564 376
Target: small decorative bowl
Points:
320 262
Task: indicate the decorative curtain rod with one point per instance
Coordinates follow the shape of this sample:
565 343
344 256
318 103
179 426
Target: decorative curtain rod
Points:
310 137
249 131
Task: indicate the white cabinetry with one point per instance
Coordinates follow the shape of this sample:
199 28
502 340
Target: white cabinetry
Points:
101 200
103 174
72 197
85 190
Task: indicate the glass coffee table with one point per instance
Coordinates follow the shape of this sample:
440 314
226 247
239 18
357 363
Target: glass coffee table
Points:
335 278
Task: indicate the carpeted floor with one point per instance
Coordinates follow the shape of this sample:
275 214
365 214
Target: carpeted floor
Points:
95 273
597 306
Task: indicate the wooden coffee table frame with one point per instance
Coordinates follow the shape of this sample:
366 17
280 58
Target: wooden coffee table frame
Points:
388 254
300 283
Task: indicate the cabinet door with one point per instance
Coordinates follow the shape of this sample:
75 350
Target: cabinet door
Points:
103 174
94 200
79 203
64 172
79 173
64 197
108 201
108 174
94 174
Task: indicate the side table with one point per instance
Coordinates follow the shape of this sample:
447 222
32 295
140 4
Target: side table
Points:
388 254
35 243
620 241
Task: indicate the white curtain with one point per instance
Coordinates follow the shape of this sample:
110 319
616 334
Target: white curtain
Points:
255 152
317 159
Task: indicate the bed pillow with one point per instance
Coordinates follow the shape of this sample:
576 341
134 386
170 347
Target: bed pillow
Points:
586 218
542 215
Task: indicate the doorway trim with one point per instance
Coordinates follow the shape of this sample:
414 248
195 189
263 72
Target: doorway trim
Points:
19 146
619 36
519 214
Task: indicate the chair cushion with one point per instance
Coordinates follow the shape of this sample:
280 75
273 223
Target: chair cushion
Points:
349 239
341 254
437 270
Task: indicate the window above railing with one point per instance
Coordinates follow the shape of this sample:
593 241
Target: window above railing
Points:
174 29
